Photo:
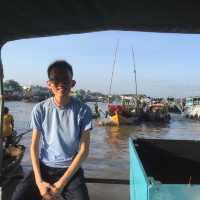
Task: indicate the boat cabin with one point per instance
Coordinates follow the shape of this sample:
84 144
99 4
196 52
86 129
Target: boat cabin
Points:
192 101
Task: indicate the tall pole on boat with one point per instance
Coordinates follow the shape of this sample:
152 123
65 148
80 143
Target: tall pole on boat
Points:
113 68
1 113
135 75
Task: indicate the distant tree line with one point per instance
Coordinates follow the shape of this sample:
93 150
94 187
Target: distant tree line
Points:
12 85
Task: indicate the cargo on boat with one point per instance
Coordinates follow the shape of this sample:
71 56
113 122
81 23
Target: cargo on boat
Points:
125 111
164 169
156 112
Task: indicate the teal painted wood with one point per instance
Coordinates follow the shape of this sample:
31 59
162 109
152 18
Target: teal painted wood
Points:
146 188
174 192
138 178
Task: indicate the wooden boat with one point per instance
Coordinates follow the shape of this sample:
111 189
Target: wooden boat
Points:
122 114
119 119
11 170
157 112
164 169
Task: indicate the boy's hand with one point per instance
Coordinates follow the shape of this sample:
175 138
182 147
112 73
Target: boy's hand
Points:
49 197
57 187
45 189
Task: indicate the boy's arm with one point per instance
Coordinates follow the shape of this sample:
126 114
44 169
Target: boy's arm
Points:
42 185
76 163
34 155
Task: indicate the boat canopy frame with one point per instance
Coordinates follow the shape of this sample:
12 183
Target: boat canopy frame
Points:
1 115
29 19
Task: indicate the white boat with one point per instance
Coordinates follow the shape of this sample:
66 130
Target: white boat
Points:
192 107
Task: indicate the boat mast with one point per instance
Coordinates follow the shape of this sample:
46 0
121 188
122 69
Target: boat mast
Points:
135 75
1 113
113 69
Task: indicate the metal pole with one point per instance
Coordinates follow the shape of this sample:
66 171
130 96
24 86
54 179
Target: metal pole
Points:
1 113
113 69
135 75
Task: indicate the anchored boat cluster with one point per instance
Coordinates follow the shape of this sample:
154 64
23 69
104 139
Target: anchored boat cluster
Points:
135 109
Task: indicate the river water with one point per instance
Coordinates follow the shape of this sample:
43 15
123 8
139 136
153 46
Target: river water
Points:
108 156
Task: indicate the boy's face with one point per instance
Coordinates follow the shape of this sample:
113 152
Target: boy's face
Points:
60 82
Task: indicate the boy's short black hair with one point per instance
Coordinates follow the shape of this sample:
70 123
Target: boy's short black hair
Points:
61 64
6 110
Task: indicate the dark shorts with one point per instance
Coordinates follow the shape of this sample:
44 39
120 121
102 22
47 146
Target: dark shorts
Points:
8 140
75 190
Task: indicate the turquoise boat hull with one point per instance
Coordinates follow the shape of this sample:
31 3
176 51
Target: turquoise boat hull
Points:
164 170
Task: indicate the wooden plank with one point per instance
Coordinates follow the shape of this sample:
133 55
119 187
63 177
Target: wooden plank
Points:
107 181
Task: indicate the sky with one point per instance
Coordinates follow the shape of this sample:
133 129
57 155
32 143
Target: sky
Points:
166 64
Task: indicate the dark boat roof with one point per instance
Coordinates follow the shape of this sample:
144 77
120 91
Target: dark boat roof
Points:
25 18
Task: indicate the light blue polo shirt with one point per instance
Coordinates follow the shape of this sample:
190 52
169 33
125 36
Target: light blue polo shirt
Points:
60 130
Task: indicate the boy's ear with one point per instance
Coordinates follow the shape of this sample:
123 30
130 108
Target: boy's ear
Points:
73 83
48 85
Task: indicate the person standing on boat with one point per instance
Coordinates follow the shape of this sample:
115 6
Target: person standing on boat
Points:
8 127
60 142
96 108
